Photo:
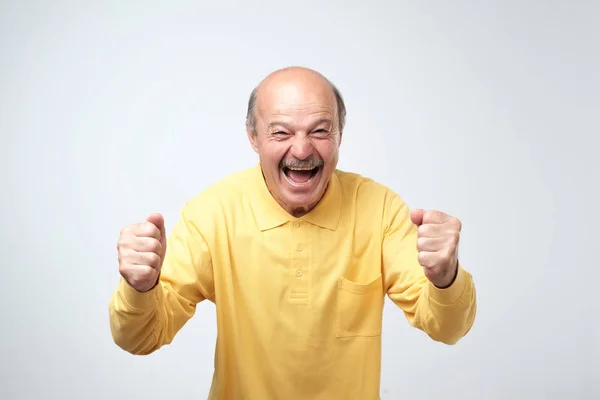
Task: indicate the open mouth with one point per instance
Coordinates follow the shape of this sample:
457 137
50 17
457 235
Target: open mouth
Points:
300 176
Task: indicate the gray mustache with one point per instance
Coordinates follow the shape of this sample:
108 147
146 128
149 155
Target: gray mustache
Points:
302 163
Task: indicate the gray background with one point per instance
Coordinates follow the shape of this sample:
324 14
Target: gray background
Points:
489 112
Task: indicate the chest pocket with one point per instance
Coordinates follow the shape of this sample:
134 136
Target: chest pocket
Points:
359 308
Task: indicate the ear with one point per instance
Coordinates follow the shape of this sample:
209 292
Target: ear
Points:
253 138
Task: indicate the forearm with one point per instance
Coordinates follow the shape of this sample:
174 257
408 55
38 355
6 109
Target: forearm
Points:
141 323
447 315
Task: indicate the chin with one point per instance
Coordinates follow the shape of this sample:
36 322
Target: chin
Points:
302 203
305 201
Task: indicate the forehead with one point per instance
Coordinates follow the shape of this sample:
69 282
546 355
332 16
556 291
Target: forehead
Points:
296 98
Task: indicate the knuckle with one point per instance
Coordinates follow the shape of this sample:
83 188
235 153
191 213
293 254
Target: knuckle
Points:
135 281
451 239
121 255
455 237
424 259
127 231
143 229
154 259
125 251
122 243
155 245
141 242
125 269
429 274
124 238
427 217
135 229
149 230
458 224
432 215
447 255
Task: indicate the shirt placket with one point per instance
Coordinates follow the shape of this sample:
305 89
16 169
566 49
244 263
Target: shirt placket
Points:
299 264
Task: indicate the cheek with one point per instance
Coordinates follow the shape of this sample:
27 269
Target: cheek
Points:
328 150
273 153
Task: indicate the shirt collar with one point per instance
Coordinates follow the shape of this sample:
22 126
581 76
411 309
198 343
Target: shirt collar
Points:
269 214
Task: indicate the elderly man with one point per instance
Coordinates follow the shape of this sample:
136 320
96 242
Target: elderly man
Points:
297 256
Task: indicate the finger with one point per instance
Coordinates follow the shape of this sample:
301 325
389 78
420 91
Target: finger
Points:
416 216
430 244
431 230
147 229
429 273
139 271
149 259
434 217
146 244
427 259
159 221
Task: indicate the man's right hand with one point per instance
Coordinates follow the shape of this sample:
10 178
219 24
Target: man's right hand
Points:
141 250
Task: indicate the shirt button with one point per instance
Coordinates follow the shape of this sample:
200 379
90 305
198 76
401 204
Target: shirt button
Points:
298 272
299 247
296 224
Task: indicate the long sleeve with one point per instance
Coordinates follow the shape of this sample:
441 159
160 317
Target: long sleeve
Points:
445 315
141 323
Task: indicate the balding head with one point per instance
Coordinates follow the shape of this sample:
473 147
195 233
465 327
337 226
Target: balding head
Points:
290 79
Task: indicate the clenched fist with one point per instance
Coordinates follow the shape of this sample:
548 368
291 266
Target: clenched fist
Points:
437 242
141 249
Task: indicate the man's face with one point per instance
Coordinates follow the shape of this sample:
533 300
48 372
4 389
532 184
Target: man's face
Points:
297 139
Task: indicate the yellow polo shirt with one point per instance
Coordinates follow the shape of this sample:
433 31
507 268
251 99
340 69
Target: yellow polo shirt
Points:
299 301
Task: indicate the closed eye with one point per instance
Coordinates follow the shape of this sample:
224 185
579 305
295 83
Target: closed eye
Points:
280 135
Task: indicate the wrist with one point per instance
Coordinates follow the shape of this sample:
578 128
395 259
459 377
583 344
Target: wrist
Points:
448 279
452 291
137 299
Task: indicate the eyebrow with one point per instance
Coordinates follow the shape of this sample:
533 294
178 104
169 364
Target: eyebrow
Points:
317 122
277 123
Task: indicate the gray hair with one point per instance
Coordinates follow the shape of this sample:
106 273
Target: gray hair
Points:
252 111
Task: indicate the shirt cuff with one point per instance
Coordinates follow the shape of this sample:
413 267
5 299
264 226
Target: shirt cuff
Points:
135 299
450 295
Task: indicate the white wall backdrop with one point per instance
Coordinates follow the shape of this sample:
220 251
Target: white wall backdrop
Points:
112 110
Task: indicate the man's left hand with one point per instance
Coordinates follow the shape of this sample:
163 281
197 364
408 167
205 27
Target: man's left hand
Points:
437 242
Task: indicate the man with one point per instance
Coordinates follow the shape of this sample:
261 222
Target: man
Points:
297 256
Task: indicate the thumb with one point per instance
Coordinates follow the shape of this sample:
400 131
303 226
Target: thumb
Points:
416 216
159 221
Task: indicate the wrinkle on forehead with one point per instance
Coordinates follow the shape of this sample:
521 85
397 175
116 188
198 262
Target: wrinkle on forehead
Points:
307 109
295 90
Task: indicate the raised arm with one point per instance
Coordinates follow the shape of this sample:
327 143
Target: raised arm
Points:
422 273
162 280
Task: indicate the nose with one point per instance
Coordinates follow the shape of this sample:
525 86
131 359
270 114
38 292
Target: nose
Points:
301 148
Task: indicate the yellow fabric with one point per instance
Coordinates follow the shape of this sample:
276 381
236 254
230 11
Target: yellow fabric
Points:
299 301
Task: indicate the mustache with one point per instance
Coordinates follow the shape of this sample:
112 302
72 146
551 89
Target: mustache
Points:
301 163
